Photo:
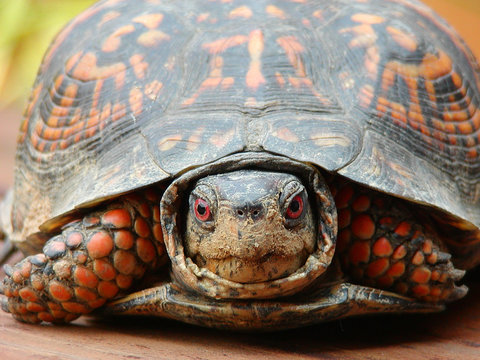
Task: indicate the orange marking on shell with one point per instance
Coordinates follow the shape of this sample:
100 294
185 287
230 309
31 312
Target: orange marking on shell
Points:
202 17
242 11
361 203
136 101
382 247
318 14
465 128
59 292
220 140
28 294
113 42
399 252
286 134
344 218
223 44
275 11
124 262
280 79
141 227
87 69
434 66
401 38
69 96
118 218
150 21
359 252
293 48
366 95
195 139
418 258
152 38
107 289
85 294
139 66
152 89
123 281
52 134
343 197
397 269
145 250
227 82
365 18
108 17
72 61
100 245
85 277
421 275
169 142
377 267
254 76
306 22
119 111
363 226
104 270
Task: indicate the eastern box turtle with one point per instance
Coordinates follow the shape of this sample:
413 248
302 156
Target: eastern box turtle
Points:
247 164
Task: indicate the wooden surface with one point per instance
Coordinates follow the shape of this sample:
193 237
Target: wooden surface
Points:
454 334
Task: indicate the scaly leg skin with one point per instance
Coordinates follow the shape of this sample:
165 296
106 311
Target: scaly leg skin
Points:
90 262
384 244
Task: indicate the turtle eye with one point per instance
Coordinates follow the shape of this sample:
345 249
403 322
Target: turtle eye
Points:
295 208
202 210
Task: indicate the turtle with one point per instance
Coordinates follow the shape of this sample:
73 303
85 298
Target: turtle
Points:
247 165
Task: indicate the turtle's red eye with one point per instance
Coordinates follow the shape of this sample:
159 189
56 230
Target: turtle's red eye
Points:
295 209
202 210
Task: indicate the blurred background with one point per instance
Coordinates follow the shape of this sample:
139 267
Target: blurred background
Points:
28 26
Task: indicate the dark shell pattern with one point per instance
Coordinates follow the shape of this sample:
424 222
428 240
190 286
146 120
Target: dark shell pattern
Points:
135 92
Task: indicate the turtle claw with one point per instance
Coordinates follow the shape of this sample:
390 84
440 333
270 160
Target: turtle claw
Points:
457 274
457 293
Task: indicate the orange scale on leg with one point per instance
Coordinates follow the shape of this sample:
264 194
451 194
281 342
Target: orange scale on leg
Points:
363 226
397 269
158 233
145 250
343 197
344 218
421 290
35 307
118 218
382 247
97 303
28 294
361 203
359 253
104 270
85 277
343 239
59 291
124 262
75 308
385 281
74 239
141 227
377 267
399 253
403 229
418 258
45 316
107 289
124 239
100 245
85 294
421 275
124 281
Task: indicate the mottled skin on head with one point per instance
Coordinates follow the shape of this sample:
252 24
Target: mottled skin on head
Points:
250 226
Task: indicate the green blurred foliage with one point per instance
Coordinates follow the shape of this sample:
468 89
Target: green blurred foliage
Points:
26 29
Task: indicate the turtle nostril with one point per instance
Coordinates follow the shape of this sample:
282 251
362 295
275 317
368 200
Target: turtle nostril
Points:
256 212
240 212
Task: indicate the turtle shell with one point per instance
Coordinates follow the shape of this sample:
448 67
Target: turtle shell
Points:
132 93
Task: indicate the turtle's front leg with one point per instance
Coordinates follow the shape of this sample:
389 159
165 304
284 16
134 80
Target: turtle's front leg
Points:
88 263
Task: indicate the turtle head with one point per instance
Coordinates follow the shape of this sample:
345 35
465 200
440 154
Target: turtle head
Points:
250 226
